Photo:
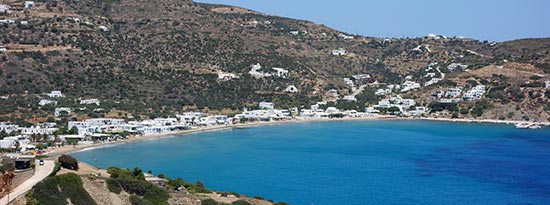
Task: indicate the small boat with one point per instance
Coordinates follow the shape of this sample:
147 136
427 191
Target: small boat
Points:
522 125
535 126
527 125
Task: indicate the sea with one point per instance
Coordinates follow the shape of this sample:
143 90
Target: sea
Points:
353 162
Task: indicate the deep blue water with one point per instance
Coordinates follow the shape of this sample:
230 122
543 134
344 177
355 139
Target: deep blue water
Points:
355 162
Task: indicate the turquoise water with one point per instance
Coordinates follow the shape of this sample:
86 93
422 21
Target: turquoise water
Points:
355 162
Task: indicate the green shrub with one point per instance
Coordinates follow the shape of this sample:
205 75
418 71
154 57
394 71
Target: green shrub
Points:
209 202
241 202
56 169
136 200
56 190
113 186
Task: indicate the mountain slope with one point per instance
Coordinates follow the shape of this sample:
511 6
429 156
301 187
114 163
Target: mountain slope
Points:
157 58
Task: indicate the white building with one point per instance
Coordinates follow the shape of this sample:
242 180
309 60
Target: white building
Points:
475 93
291 89
223 76
60 110
339 52
333 92
547 84
37 130
349 98
453 92
46 102
294 32
103 28
7 21
29 4
279 72
409 85
3 49
8 128
189 118
90 101
349 82
95 125
432 81
55 94
455 66
4 8
266 105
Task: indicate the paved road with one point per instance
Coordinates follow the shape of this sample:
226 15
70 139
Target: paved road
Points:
40 173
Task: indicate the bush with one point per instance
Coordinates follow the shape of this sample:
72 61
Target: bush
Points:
55 169
56 190
209 202
136 200
68 162
135 184
113 186
241 202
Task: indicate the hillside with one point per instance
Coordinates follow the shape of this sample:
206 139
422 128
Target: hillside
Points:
143 58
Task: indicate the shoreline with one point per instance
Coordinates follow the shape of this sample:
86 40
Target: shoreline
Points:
57 151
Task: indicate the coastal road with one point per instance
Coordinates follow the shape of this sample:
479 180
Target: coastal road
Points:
40 173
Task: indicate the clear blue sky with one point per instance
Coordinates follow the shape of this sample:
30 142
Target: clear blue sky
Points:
497 20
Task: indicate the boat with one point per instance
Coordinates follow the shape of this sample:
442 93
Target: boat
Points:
527 125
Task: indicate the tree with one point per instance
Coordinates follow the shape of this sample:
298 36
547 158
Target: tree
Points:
73 131
68 162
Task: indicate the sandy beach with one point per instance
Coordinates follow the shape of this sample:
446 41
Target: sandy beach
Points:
56 151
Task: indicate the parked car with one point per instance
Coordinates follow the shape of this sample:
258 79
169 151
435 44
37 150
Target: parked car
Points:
41 162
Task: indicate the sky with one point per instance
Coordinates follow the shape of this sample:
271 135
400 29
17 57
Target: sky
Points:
492 20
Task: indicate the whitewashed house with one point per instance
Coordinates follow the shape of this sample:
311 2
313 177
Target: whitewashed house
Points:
8 128
37 130
5 8
58 111
432 81
29 4
55 94
90 101
46 102
294 32
281 72
350 98
3 49
103 28
339 52
547 84
349 82
475 93
266 105
453 92
456 66
7 21
223 76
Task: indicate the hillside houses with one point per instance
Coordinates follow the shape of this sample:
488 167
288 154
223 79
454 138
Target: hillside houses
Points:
62 110
475 93
5 8
256 72
223 76
90 101
456 66
409 85
266 105
55 94
44 102
339 52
